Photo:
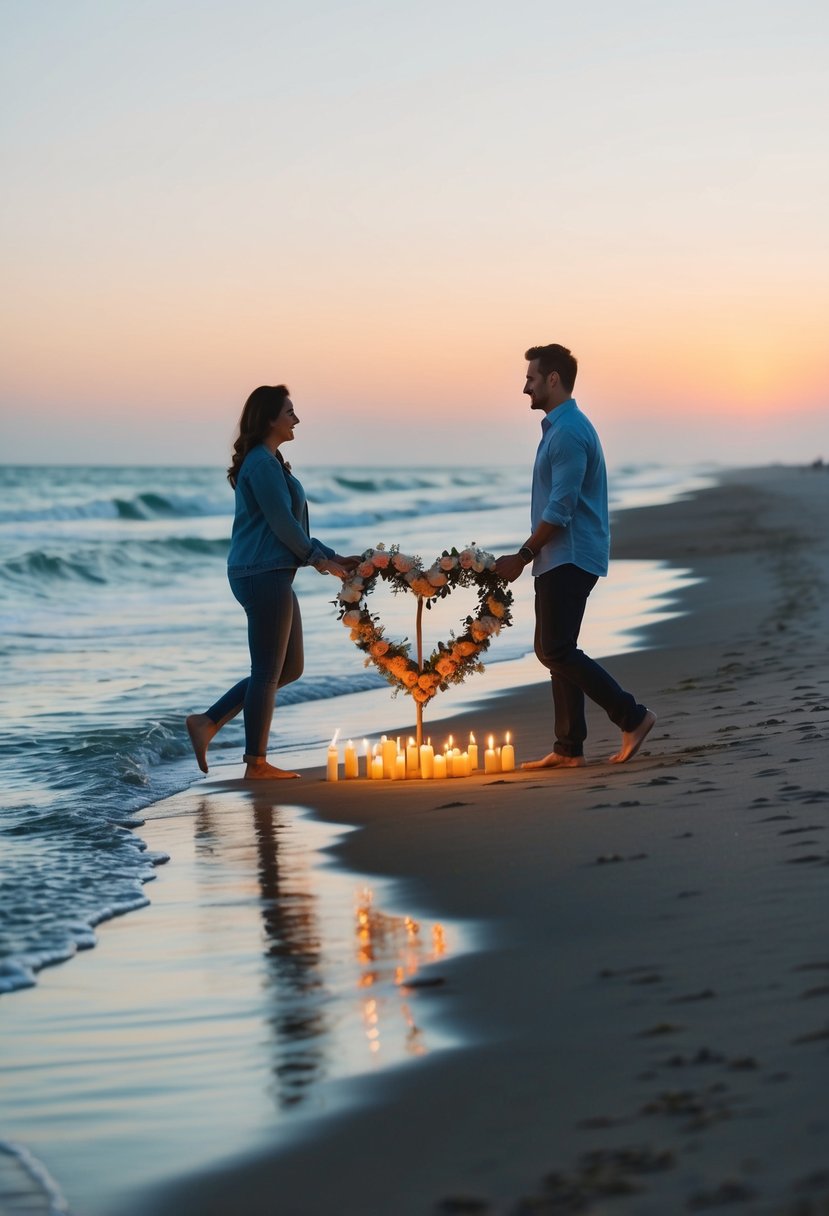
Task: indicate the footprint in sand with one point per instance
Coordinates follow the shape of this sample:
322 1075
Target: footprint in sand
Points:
612 858
660 1029
812 1036
811 993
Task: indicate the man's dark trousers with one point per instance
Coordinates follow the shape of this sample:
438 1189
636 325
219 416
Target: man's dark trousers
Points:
560 600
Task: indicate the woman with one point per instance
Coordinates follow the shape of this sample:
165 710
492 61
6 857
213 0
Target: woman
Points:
269 541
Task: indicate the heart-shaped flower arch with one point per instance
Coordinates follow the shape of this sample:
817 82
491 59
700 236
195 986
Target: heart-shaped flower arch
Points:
451 661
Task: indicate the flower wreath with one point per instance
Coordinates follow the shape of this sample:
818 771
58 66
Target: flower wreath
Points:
451 662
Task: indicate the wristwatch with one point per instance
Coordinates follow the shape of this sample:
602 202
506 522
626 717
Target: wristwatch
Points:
526 552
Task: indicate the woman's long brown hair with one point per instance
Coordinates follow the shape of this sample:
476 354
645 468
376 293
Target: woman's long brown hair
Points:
262 407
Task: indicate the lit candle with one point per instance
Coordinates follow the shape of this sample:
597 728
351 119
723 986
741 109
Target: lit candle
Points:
412 758
491 764
399 773
333 767
448 757
351 767
427 761
507 757
439 768
367 751
377 768
472 753
389 753
462 765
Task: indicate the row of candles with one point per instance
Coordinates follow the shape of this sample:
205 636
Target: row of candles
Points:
389 760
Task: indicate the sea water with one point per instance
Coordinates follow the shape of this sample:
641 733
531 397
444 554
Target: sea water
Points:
116 620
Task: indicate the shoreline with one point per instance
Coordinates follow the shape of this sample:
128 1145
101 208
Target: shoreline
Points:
649 913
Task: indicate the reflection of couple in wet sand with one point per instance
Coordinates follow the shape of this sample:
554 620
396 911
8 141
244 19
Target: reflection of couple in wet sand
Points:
568 548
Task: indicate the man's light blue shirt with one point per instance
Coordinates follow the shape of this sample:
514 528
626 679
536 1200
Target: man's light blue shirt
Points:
570 489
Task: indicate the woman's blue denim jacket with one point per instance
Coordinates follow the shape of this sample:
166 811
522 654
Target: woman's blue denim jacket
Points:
270 528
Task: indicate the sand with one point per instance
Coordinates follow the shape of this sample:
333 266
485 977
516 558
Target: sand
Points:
646 1025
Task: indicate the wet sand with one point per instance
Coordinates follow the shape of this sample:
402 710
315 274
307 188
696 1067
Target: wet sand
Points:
646 1028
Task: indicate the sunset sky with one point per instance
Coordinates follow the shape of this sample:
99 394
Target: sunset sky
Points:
383 204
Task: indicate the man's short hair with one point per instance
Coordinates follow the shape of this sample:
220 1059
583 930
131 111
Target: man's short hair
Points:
555 358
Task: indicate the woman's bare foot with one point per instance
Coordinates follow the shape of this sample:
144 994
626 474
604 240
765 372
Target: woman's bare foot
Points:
554 760
632 740
258 769
201 730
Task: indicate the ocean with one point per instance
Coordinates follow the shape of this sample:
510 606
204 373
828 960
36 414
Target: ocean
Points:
116 620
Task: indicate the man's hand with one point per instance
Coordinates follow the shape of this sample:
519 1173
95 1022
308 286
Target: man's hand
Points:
350 563
510 566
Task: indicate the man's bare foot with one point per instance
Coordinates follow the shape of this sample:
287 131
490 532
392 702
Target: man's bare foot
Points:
632 740
201 730
554 760
259 770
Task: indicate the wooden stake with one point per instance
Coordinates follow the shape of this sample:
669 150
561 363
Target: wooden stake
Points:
419 668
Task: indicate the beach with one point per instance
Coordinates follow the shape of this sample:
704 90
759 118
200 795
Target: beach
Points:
639 1019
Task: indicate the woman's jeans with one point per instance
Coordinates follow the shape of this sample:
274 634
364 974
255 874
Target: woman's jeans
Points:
276 654
560 600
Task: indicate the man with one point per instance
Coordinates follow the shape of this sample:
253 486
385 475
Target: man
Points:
569 548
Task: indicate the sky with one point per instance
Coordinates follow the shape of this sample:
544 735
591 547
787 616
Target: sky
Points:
382 204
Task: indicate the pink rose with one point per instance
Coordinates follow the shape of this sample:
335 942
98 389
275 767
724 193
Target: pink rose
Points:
380 559
466 558
379 648
448 563
401 563
352 618
366 569
436 577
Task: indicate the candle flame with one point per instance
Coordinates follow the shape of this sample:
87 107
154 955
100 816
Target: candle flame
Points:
451 741
491 743
365 746
507 736
471 737
333 742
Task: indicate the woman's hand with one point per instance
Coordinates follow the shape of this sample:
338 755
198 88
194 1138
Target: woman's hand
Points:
332 565
350 563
